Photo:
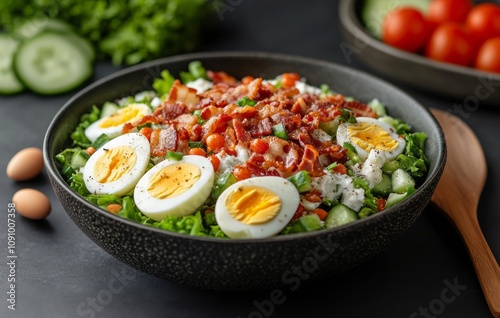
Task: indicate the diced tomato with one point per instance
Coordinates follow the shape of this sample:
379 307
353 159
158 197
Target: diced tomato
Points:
381 204
298 213
340 168
313 196
114 208
321 213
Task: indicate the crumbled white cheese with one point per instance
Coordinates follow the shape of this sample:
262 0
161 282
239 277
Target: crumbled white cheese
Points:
200 85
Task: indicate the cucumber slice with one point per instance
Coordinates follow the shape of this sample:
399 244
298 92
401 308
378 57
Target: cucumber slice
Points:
402 181
374 12
34 27
9 83
340 215
50 63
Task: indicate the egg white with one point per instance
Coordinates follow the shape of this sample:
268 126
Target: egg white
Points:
128 180
343 136
235 229
184 204
93 131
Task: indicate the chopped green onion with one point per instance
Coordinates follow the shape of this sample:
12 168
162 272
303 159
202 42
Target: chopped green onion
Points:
245 101
194 144
351 153
280 132
197 113
332 166
301 180
347 117
173 155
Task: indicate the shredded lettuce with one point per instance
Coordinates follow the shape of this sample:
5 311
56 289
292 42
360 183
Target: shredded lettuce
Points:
163 84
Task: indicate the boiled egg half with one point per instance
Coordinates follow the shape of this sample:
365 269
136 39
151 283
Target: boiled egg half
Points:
116 167
370 133
112 125
258 207
175 188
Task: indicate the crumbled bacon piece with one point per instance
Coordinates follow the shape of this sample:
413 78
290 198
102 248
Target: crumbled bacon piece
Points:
163 140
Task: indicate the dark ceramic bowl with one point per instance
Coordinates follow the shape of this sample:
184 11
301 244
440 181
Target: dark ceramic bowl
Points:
467 86
243 264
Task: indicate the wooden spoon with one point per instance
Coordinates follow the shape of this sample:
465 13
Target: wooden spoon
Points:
457 195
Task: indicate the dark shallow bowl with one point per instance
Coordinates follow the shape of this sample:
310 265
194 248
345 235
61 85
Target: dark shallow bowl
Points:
467 86
243 264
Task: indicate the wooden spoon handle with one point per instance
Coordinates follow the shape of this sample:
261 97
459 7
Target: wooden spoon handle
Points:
484 262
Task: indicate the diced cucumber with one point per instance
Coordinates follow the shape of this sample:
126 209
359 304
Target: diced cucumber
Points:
50 63
79 159
378 107
109 109
384 187
395 198
301 180
9 83
390 166
374 11
330 127
402 181
340 215
224 181
307 223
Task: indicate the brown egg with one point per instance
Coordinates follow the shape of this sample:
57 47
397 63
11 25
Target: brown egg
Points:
25 164
31 204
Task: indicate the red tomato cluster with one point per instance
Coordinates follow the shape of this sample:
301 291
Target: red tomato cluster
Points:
452 31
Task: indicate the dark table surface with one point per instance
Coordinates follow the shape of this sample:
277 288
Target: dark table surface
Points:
61 273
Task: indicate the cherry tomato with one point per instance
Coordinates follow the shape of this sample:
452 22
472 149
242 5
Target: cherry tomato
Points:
289 79
197 152
441 11
405 28
215 161
146 131
259 146
215 142
488 57
483 22
451 43
242 172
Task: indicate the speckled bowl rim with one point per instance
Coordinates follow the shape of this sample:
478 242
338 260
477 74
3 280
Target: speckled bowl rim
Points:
51 166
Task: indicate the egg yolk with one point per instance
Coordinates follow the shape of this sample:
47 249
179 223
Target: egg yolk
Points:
114 163
122 116
370 136
253 205
173 180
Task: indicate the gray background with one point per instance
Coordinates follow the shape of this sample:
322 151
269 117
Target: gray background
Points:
60 270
